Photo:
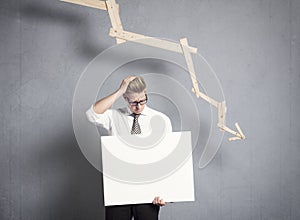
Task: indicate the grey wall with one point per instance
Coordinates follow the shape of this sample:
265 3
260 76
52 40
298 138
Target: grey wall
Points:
254 47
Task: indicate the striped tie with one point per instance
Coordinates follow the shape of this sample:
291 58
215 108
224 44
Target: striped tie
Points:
135 126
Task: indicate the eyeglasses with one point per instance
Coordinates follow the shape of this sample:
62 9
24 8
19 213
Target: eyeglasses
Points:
136 103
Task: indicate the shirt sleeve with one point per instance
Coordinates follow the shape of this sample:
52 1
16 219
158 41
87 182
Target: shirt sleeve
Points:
103 120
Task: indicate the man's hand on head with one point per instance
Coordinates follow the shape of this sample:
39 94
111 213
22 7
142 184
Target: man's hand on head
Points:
158 201
124 84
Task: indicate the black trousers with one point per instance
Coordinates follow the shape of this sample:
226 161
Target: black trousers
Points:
146 211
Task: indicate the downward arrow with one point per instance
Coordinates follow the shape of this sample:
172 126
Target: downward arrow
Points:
239 135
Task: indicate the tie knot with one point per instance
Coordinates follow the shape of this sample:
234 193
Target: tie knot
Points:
135 115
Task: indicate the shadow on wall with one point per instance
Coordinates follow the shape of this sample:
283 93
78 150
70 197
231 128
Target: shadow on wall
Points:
75 23
70 187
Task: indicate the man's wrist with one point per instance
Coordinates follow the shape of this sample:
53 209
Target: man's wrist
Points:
119 93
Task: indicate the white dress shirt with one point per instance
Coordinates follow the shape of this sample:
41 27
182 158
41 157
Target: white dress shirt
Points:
119 121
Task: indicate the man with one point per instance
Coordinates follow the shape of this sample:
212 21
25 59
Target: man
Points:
137 117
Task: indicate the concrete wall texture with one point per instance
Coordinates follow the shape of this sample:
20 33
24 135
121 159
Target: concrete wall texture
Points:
254 47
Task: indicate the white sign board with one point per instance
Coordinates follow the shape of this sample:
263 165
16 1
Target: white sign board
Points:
135 174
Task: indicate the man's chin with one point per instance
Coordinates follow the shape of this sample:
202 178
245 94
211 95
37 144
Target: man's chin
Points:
138 112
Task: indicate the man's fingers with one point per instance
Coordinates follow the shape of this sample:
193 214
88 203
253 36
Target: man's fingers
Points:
125 83
155 200
158 201
129 78
132 78
161 202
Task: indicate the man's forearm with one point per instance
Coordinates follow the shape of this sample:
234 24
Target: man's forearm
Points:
103 104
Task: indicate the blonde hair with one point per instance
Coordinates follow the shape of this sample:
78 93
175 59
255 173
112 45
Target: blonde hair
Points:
137 85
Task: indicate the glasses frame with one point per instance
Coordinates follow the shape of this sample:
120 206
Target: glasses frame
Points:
136 103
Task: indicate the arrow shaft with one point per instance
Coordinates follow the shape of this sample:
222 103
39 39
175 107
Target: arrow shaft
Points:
225 128
88 3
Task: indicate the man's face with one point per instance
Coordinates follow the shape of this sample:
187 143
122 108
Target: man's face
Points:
133 100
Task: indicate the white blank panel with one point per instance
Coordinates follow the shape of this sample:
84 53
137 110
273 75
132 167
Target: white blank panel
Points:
177 186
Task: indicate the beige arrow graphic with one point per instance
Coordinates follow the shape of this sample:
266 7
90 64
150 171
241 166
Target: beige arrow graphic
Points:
122 36
220 105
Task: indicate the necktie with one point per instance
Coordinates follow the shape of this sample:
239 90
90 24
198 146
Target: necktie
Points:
135 126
